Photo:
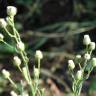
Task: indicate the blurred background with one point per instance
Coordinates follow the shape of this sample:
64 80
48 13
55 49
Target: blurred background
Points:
56 27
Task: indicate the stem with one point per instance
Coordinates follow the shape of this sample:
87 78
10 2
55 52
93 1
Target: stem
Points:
11 81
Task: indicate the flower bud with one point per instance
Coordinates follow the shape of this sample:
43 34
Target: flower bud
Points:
78 56
17 61
3 23
71 64
86 40
6 73
1 37
79 75
13 93
25 73
11 10
87 56
92 45
20 46
36 72
39 54
93 61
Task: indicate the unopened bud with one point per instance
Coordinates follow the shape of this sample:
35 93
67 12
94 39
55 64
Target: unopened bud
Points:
87 56
25 73
79 75
92 46
13 93
36 72
39 54
20 46
6 73
3 23
11 10
1 37
93 61
17 61
78 56
71 64
86 40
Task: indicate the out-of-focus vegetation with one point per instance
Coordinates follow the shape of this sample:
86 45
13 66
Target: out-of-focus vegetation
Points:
56 27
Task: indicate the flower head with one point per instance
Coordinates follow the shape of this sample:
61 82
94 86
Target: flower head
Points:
87 56
6 73
71 64
11 10
17 61
39 54
86 40
20 46
3 23
1 37
79 74
92 46
93 61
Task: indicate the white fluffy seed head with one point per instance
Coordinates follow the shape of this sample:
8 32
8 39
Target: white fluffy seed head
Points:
11 11
20 46
93 62
17 61
86 40
87 56
38 54
3 23
79 75
92 46
1 37
71 64
6 73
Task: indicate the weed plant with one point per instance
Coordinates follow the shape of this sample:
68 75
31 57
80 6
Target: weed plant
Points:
86 64
20 59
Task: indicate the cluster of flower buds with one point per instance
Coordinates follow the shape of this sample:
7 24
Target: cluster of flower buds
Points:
90 46
87 42
11 11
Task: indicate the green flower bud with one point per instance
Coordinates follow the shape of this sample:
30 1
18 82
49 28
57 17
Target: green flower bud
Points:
93 61
11 11
25 73
87 56
3 23
6 73
86 40
79 75
20 46
78 56
39 54
71 64
1 37
36 72
17 61
92 46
